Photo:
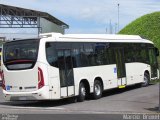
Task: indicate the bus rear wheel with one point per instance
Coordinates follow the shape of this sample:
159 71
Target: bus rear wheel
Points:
97 92
146 80
82 92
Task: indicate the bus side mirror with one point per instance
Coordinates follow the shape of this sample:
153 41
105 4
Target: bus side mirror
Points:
157 51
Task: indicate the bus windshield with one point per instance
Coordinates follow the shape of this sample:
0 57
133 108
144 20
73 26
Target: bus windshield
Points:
20 54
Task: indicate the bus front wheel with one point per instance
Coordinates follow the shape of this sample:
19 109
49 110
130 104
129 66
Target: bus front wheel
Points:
146 80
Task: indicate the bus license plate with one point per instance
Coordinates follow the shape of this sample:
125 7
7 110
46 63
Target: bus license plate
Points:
22 98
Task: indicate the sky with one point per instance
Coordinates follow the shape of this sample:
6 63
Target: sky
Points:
91 16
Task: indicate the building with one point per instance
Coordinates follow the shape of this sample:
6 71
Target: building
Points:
15 17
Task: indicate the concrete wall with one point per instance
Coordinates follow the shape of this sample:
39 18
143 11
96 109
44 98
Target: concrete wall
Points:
48 26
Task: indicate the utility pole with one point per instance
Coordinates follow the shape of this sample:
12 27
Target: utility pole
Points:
118 18
110 26
106 30
115 28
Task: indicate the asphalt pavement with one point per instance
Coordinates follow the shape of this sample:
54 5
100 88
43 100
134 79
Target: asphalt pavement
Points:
131 100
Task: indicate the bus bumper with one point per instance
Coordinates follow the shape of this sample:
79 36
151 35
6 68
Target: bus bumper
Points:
41 94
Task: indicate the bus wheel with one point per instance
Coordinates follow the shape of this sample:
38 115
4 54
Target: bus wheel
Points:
97 92
146 80
82 92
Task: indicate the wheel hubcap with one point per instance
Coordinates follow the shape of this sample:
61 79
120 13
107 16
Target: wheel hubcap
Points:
83 91
97 89
145 79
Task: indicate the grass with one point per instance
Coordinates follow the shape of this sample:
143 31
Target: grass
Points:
147 26
155 81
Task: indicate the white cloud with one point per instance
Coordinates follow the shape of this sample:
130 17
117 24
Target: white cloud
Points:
96 13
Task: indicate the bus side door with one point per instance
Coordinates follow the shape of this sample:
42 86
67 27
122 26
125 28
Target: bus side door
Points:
153 62
121 70
66 73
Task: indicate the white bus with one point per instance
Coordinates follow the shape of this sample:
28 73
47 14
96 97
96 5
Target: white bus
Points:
57 66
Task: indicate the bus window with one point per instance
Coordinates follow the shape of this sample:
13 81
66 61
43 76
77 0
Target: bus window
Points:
156 51
99 51
51 54
20 54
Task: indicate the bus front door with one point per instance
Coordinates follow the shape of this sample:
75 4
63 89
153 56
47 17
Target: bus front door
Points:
66 73
153 62
121 70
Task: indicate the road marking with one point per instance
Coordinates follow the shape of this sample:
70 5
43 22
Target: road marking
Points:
73 111
37 108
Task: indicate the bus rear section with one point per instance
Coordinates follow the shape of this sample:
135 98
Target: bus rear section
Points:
22 75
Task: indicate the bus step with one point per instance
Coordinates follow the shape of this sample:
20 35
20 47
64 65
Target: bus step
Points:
121 86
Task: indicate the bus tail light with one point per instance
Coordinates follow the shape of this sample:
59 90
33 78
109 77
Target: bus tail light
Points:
40 78
3 81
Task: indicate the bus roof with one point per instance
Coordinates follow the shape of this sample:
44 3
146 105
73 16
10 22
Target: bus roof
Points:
95 38
58 37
